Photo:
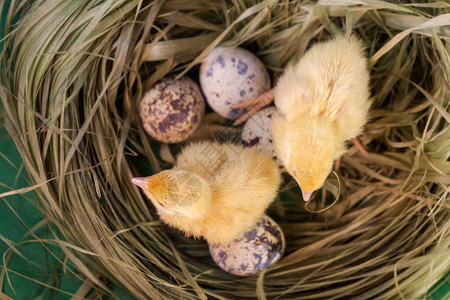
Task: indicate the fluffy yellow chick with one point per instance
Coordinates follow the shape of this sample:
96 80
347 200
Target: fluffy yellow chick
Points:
322 101
216 191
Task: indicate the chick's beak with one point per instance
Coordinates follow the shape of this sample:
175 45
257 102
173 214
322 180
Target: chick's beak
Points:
140 182
306 195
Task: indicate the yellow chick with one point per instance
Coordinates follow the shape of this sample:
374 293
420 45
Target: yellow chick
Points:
322 101
216 191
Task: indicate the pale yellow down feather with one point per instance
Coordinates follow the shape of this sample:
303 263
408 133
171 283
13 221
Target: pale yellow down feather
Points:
322 101
234 186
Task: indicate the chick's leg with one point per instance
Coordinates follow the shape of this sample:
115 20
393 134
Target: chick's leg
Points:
359 145
361 148
337 164
254 104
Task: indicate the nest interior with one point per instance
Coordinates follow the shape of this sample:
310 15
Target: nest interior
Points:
73 73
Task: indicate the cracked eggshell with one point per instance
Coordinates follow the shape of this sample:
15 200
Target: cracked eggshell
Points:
257 131
258 249
172 109
232 75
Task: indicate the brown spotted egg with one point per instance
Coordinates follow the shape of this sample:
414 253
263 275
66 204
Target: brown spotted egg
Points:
257 131
172 109
259 248
232 75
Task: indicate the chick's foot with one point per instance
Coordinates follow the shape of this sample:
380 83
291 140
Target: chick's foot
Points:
360 146
254 104
337 164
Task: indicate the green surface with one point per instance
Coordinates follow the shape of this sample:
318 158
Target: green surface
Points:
19 218
35 268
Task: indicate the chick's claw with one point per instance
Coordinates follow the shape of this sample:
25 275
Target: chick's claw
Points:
337 164
247 115
255 104
360 146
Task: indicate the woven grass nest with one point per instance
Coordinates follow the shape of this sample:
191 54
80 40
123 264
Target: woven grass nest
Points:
74 72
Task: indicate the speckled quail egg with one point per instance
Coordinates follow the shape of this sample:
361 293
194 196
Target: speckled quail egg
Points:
232 75
257 131
172 109
258 249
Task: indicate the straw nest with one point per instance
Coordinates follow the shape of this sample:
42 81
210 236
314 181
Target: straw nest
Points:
73 73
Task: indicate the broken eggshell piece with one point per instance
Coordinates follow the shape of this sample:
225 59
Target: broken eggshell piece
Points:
258 249
257 131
